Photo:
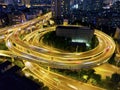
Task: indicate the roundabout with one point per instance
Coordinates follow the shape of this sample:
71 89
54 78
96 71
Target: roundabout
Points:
33 52
32 48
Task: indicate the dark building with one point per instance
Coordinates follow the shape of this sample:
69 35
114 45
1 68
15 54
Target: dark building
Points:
60 10
76 33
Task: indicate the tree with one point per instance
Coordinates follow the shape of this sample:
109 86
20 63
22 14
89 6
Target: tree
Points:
97 77
45 88
90 73
115 78
112 59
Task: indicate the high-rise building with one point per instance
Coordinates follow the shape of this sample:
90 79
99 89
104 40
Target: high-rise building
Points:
116 6
108 1
10 2
26 2
97 4
87 5
60 8
37 2
13 2
75 4
1 1
32 2
90 5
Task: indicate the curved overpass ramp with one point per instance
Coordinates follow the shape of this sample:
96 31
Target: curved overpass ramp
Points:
29 49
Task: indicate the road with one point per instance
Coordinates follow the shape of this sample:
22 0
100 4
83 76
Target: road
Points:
56 81
58 59
106 70
27 49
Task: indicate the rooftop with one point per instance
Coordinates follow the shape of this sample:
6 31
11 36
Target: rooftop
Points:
73 27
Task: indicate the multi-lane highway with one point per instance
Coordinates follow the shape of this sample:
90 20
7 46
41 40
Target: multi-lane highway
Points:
56 58
56 81
32 48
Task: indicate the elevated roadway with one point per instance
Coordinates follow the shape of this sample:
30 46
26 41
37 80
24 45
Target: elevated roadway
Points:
60 59
29 50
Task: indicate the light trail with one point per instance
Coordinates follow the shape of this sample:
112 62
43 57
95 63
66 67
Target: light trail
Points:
43 54
65 60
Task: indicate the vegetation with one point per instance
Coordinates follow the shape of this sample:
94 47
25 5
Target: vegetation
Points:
3 46
19 63
112 60
89 76
65 44
84 75
112 83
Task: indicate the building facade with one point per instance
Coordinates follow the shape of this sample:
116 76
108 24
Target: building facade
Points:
76 33
13 2
89 5
60 8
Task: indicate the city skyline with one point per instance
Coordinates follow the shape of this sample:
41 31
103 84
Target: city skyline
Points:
65 44
38 1
26 48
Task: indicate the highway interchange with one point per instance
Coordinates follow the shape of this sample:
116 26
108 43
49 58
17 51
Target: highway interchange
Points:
31 48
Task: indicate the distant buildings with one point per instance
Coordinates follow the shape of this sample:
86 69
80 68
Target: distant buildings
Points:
116 6
15 13
61 9
89 5
87 12
10 2
107 2
16 17
64 9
